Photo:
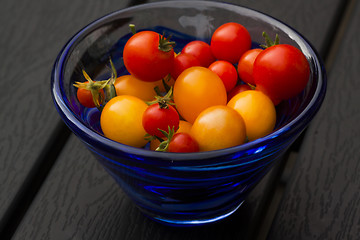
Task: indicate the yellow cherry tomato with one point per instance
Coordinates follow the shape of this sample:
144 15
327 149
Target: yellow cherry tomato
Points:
196 89
130 85
218 127
258 112
121 120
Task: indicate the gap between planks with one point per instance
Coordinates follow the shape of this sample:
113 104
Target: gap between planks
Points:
34 180
328 53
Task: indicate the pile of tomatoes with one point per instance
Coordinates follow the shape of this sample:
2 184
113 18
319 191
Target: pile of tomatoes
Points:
206 97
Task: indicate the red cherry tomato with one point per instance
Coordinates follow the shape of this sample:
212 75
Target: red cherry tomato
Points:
230 41
144 59
246 64
237 89
85 97
200 50
156 117
183 61
183 142
281 72
227 72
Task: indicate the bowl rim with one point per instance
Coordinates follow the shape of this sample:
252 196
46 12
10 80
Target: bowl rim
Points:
139 153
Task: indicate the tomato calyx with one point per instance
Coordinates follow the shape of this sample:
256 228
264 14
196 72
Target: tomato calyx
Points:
164 144
163 101
164 82
110 86
269 42
95 87
165 44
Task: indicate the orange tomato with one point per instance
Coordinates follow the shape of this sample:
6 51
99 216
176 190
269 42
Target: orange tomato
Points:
218 127
121 120
196 89
184 126
258 112
130 85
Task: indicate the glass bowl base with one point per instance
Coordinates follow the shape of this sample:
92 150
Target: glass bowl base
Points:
194 222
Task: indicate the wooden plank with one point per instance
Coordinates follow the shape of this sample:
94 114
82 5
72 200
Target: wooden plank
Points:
32 34
322 198
79 200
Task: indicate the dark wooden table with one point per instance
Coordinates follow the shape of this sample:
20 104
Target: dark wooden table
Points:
51 187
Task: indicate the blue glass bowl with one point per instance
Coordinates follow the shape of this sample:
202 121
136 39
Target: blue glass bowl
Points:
188 188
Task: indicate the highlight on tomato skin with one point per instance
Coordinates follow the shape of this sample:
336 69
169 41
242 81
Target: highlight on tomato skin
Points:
218 127
121 120
230 41
281 72
196 89
156 118
201 51
258 112
145 59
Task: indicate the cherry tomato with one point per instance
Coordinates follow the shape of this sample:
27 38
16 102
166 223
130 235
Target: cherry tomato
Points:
237 89
183 142
130 85
146 57
121 120
85 97
200 50
227 72
218 127
246 64
230 41
184 126
281 71
196 89
158 117
183 61
258 112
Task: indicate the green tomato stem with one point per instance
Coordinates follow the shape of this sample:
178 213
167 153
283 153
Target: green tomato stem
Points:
132 28
269 42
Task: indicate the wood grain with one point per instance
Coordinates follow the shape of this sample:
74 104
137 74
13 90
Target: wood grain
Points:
78 199
322 200
32 34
